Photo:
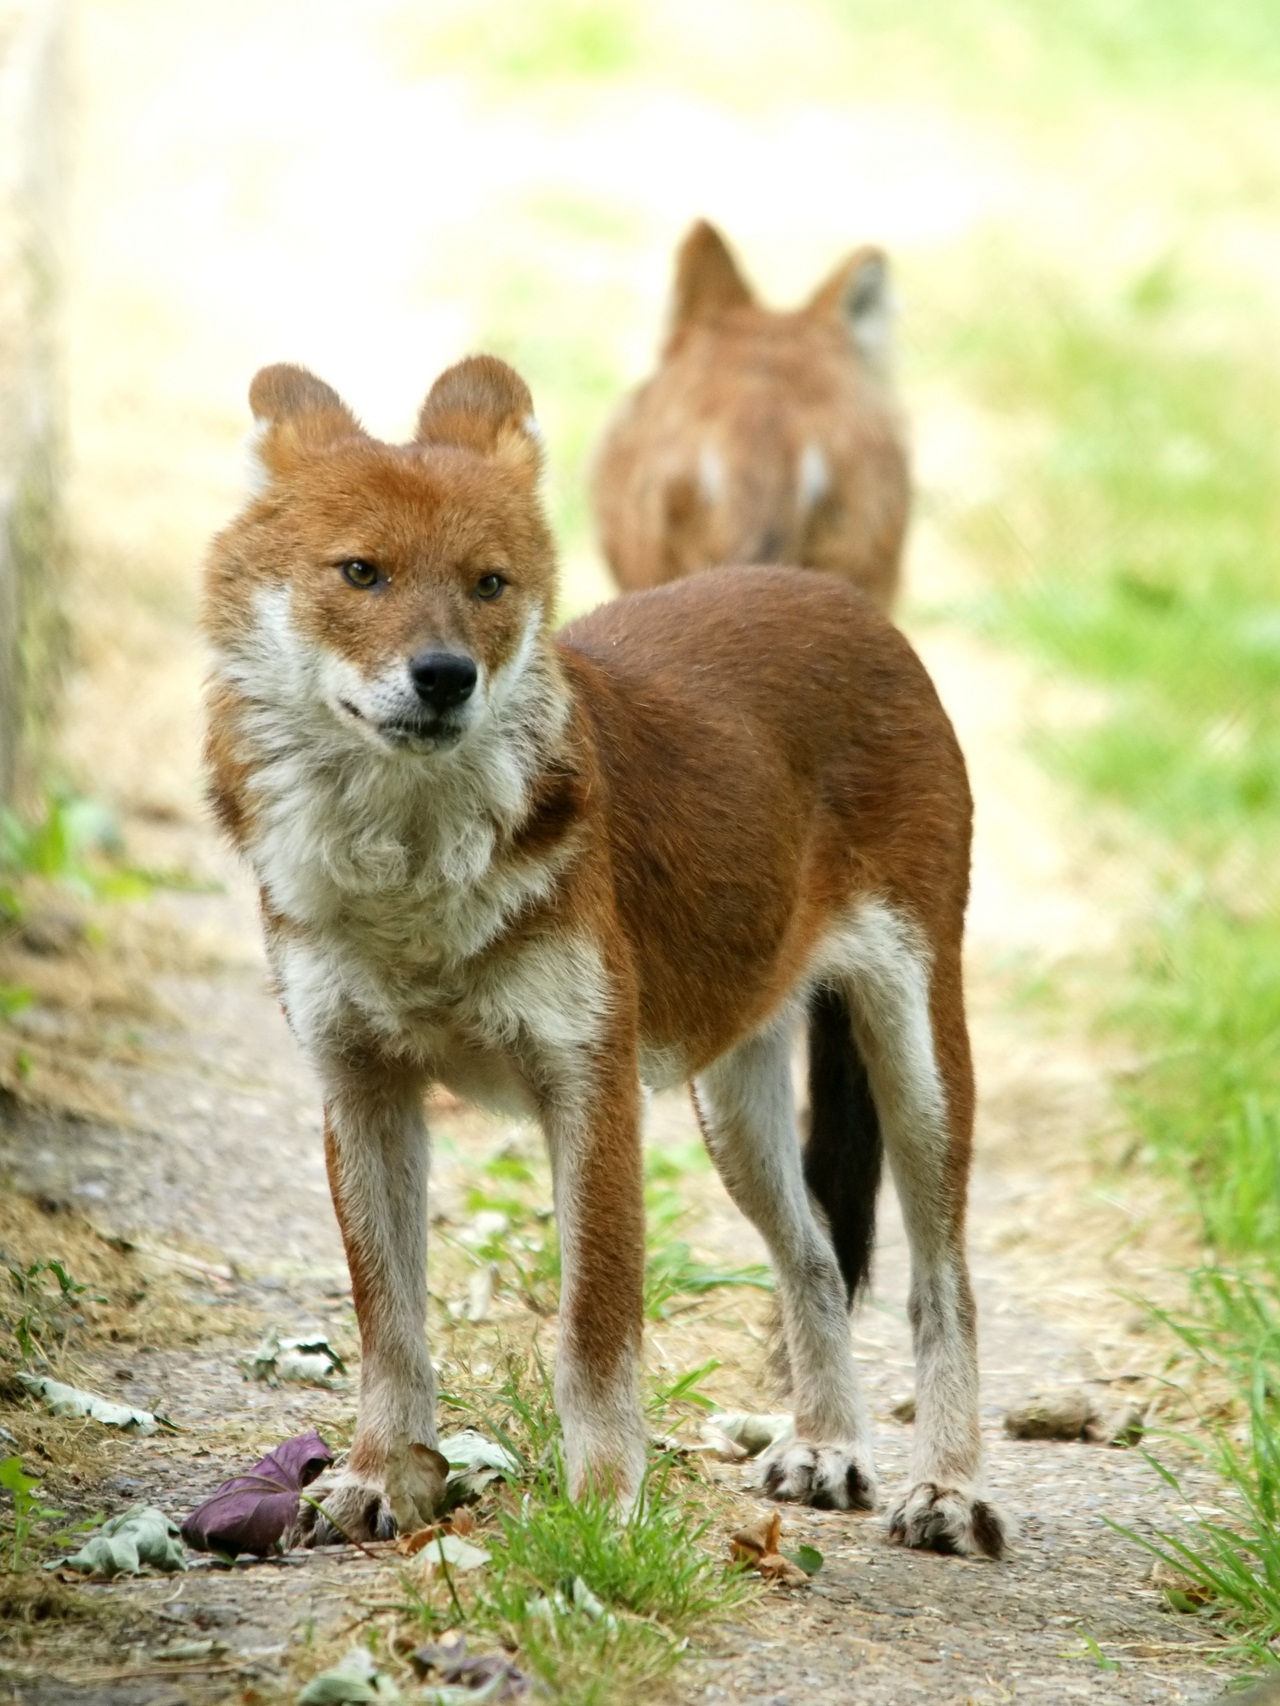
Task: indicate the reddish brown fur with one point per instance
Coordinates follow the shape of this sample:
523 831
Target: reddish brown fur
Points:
800 757
723 770
752 388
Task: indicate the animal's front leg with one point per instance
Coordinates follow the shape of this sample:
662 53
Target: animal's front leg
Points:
376 1151
594 1140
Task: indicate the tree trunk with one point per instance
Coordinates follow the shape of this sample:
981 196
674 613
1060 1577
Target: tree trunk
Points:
32 550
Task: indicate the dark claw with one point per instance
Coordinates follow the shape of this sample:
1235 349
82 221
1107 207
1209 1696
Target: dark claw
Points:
937 1535
856 1487
988 1530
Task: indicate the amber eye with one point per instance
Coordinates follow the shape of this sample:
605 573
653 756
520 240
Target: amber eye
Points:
489 586
357 572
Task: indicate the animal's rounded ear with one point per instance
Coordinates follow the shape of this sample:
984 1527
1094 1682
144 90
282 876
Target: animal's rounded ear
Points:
859 293
708 280
292 411
483 405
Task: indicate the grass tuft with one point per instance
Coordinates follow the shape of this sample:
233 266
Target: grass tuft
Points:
1234 1559
597 1604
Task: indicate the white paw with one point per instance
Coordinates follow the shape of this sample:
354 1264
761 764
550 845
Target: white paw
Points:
947 1519
407 1495
828 1477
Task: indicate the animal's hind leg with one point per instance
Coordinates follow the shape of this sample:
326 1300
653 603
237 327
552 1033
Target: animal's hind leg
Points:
746 1106
909 1018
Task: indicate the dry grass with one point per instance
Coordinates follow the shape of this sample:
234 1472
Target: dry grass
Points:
132 1296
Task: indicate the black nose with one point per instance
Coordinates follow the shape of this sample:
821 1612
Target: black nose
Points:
443 679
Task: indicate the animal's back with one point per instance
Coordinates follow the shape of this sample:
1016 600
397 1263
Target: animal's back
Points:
764 720
783 664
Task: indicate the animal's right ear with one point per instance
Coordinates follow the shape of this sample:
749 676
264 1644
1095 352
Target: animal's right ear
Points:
708 280
293 411
859 293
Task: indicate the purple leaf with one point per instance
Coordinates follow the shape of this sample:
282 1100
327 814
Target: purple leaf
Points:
251 1512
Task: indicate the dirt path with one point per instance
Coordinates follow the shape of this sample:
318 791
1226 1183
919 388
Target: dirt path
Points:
213 218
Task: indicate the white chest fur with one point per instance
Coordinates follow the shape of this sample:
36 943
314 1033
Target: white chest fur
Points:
394 876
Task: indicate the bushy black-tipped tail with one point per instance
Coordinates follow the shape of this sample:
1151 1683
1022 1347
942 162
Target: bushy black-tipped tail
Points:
845 1149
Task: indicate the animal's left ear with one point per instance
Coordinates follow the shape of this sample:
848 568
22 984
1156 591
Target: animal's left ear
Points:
483 405
860 294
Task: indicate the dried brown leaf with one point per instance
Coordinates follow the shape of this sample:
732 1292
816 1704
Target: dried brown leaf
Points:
757 1546
409 1545
775 1568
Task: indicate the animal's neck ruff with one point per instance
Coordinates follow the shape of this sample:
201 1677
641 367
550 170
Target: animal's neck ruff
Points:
346 832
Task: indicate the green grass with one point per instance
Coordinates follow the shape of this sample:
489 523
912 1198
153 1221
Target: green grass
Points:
1204 1006
54 847
74 843
28 1513
1232 1561
1139 544
1136 551
596 1604
1009 56
1091 47
526 1253
41 1308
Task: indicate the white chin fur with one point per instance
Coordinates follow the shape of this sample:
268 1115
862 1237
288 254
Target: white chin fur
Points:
389 737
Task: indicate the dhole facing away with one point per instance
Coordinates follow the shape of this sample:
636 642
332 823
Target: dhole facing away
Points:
545 871
762 437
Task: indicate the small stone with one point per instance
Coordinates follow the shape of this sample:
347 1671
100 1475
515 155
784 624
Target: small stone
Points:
1088 1413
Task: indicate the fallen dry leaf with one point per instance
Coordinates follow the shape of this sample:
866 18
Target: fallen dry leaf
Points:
74 1401
251 1512
712 1439
759 1538
127 1543
757 1548
749 1432
1184 1593
491 1676
774 1567
451 1551
460 1522
308 1361
409 1545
